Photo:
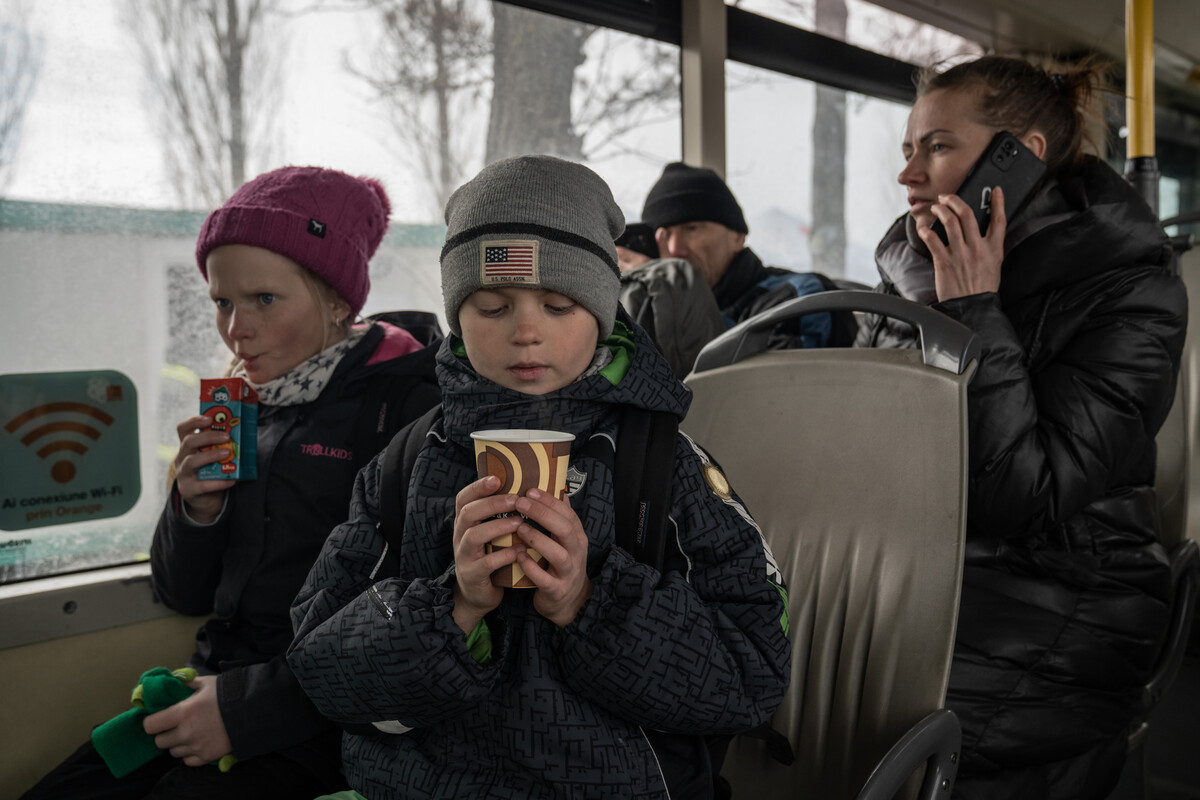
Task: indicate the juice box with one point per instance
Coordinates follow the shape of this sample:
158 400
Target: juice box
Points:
233 407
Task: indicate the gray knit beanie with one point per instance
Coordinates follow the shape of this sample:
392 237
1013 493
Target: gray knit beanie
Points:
537 222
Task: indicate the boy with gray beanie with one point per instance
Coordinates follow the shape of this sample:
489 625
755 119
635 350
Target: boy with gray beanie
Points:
604 678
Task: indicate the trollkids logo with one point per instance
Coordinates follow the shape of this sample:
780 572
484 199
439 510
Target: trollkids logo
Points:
221 394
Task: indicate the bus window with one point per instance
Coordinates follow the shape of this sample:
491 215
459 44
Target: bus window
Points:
868 26
823 183
102 198
798 218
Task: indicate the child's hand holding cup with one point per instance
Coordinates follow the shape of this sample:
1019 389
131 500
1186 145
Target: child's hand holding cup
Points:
522 459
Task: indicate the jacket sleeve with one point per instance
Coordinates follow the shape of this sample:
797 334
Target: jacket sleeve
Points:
703 653
1046 443
369 651
716 642
185 558
264 709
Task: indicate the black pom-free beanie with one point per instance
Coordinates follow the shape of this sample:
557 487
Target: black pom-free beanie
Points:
692 194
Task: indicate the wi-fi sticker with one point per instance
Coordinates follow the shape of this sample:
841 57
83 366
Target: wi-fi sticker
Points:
69 449
52 439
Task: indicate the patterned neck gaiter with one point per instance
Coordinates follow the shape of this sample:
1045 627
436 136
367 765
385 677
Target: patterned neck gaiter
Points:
308 379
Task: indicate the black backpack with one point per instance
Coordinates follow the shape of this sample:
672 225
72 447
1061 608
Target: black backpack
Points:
644 460
423 325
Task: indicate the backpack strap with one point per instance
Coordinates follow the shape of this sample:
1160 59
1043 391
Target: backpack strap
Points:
398 459
643 469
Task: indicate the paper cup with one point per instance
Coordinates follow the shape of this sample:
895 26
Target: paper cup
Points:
522 459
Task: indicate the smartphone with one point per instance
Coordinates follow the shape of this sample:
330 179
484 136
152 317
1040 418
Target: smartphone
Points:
1005 163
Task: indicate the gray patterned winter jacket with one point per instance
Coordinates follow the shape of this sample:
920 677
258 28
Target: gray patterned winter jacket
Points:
550 712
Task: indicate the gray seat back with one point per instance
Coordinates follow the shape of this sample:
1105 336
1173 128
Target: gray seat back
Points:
1175 440
1173 466
853 462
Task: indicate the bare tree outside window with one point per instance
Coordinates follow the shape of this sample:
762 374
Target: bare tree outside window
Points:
431 68
592 86
213 76
556 86
883 32
20 63
533 50
827 241
924 45
829 167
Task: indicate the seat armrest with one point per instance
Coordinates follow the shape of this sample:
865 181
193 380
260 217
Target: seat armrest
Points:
945 343
1185 584
934 742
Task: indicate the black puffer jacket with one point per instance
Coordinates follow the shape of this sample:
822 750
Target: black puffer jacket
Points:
1065 591
247 566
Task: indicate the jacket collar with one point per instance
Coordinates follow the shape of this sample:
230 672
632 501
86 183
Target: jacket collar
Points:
1085 224
745 271
471 402
1093 222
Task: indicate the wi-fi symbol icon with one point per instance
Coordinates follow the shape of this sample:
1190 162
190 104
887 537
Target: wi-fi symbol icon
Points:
63 470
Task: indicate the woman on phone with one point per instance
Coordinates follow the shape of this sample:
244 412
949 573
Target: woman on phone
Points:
1081 323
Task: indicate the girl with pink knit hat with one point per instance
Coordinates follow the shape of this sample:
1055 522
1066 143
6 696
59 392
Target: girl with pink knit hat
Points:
286 264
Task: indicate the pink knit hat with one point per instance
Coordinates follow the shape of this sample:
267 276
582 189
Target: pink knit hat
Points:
326 221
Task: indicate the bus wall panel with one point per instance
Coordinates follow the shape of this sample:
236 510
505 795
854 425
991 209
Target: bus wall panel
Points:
69 685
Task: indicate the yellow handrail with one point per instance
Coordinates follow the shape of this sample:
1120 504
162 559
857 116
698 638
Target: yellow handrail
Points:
1139 77
1141 165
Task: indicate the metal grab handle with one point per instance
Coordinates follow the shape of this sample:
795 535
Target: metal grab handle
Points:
1186 218
934 743
945 343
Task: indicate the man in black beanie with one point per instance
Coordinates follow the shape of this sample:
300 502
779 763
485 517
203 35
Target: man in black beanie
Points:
697 218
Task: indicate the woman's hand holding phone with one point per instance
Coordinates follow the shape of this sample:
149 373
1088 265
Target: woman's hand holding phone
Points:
966 240
968 262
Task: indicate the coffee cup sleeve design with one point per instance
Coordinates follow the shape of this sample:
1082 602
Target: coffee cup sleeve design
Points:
522 463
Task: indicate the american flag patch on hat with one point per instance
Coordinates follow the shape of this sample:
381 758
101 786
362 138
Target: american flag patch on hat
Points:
508 261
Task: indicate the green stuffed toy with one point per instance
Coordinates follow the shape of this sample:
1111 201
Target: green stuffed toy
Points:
122 741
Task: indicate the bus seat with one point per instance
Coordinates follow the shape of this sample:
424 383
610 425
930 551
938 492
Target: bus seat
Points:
1177 477
1177 450
1173 466
854 464
933 743
80 642
1174 477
